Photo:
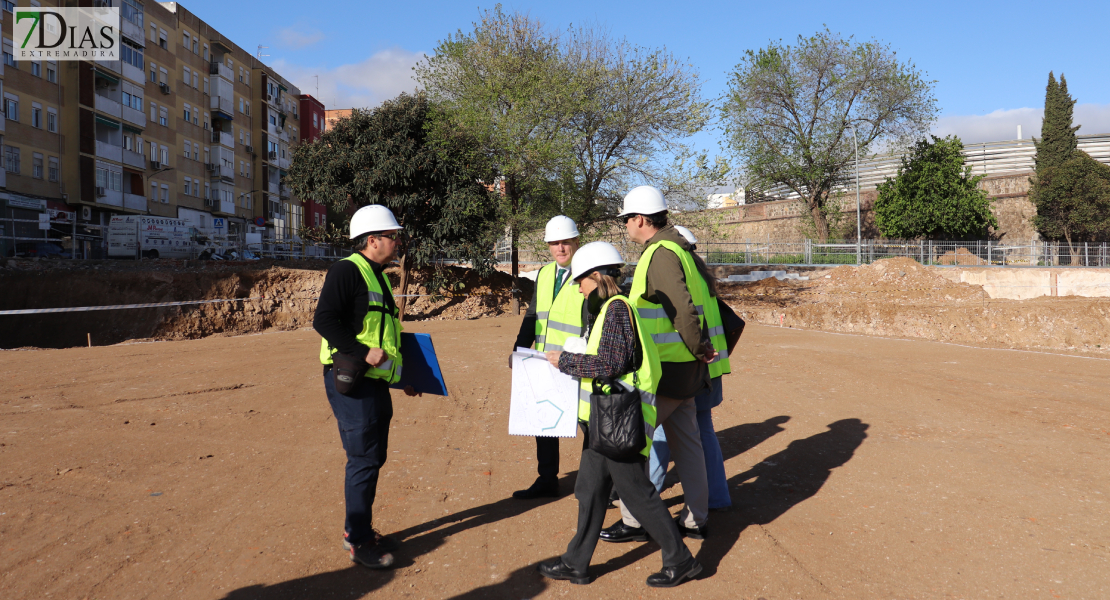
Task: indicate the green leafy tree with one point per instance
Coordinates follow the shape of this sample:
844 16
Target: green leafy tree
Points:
1058 142
504 84
934 195
382 156
790 112
1073 200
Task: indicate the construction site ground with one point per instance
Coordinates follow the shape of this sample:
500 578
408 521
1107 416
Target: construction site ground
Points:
930 442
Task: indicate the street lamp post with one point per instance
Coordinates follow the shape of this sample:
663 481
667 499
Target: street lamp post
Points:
859 226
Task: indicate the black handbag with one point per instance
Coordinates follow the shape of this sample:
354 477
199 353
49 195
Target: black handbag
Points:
616 429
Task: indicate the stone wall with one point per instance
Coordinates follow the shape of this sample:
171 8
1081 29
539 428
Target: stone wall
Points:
785 219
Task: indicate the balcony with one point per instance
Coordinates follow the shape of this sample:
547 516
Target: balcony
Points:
221 173
111 198
135 74
283 164
220 68
135 117
134 159
132 32
3 178
2 119
108 106
224 105
109 152
272 188
111 65
227 206
283 191
223 138
134 201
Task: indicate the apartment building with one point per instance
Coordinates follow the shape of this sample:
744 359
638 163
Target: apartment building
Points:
312 127
186 125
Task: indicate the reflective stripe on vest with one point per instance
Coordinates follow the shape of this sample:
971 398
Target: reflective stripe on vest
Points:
653 318
645 379
720 365
557 318
380 328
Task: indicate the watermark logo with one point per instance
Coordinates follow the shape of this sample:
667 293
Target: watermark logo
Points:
67 33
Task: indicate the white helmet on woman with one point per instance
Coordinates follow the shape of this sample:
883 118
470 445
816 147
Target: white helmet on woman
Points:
373 218
593 256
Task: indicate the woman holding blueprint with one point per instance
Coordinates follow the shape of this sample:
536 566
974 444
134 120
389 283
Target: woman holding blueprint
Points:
619 350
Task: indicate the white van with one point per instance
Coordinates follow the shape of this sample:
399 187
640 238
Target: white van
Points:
135 236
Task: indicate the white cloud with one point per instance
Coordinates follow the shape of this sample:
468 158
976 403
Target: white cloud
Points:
364 84
1002 125
292 39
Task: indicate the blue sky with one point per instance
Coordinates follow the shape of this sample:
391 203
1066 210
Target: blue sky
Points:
990 59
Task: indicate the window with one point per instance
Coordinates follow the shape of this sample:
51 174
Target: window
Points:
153 73
248 138
314 120
273 120
36 70
162 116
132 11
131 53
194 45
165 155
11 159
162 39
11 108
51 73
51 120
240 105
196 80
116 181
163 75
242 79
207 153
188 114
132 100
128 144
188 150
188 186
206 121
153 192
207 191
186 77
185 40
165 194
9 5
53 169
242 171
139 145
248 108
9 54
36 166
36 117
153 112
153 151
153 33
102 178
205 85
205 55
240 135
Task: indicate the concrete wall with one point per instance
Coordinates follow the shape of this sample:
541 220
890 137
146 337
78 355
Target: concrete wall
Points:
784 219
1022 284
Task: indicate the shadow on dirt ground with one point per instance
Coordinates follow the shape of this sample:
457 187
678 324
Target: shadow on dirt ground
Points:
769 489
356 582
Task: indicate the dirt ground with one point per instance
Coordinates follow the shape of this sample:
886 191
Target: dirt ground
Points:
859 467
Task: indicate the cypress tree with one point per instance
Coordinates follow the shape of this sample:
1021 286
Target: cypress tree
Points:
1058 142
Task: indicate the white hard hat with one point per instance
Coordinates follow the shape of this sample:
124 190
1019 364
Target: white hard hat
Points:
372 218
592 256
686 233
560 228
643 200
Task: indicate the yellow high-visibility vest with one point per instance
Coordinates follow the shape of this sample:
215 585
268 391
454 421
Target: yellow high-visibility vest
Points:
380 328
645 379
654 319
557 318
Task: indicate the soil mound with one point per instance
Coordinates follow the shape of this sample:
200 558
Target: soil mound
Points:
962 256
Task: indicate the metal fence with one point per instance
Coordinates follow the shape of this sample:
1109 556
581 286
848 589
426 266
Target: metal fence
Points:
926 252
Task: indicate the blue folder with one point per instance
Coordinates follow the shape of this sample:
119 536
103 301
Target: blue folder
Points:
419 365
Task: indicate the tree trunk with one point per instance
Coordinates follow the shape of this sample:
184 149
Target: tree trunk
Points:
404 287
514 255
819 223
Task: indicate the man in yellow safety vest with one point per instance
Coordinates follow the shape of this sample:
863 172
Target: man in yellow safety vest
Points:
361 353
670 297
554 315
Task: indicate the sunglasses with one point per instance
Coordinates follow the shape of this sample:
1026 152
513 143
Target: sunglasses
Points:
629 218
396 235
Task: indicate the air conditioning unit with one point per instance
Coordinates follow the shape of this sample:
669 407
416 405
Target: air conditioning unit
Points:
209 202
269 98
155 165
272 156
100 191
211 166
86 213
250 149
165 87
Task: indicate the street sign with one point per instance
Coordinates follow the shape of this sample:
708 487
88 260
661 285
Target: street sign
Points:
218 223
44 221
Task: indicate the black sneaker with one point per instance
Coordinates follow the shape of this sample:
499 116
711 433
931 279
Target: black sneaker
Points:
371 556
386 543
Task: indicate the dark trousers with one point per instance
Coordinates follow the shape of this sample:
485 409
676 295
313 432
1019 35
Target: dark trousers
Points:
363 417
596 476
547 455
